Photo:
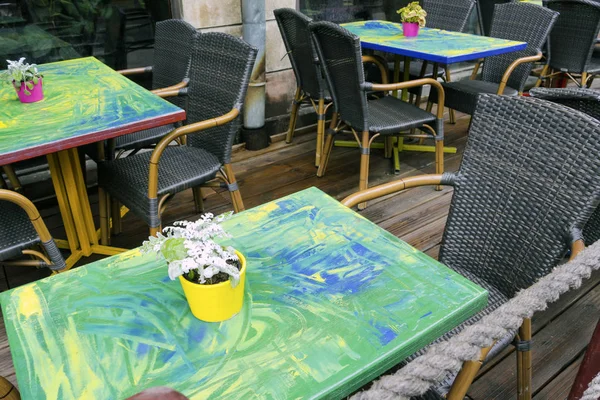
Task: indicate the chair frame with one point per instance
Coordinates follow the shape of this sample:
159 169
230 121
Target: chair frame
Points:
43 260
469 370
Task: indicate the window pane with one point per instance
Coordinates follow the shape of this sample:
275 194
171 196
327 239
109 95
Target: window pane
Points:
118 32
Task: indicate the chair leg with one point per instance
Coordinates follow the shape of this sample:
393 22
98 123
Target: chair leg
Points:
12 178
538 83
8 391
364 166
465 377
584 76
439 158
234 191
115 212
320 131
328 146
198 200
103 211
294 115
451 113
523 344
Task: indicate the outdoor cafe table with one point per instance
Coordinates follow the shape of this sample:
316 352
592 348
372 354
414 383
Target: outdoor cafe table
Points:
84 102
332 301
437 46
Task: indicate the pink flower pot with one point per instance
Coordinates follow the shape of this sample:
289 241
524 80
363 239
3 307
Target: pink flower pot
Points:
36 94
410 29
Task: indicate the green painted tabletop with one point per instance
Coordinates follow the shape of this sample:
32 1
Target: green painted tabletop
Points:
435 45
332 301
84 102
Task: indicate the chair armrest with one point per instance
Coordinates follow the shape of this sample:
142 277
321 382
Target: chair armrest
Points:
172 91
576 247
391 187
30 209
135 71
181 131
514 65
368 86
378 61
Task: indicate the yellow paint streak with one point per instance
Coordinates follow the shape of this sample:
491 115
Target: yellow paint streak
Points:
270 207
28 301
317 277
299 362
3 125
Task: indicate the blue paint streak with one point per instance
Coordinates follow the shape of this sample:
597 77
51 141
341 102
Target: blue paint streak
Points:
426 315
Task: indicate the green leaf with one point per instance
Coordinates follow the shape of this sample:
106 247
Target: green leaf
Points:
174 249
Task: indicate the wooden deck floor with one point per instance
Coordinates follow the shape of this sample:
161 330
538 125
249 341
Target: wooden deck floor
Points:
417 216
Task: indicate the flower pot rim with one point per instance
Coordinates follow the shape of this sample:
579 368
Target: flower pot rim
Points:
217 285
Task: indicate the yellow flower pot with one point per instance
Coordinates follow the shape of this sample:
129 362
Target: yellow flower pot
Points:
215 303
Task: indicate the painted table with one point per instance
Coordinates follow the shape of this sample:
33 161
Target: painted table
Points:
431 45
85 102
332 301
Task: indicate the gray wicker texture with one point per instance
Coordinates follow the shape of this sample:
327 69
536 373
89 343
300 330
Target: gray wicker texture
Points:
522 190
16 231
586 101
520 197
512 21
450 15
173 44
293 26
573 38
485 12
220 72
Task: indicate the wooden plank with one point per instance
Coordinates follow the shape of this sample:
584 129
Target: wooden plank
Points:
559 387
555 346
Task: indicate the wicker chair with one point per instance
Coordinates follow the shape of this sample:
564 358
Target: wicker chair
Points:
220 72
21 228
521 198
506 73
171 69
485 14
311 85
572 41
586 101
340 55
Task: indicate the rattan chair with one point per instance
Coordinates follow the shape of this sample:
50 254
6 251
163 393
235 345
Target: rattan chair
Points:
311 85
485 14
340 55
170 70
521 198
572 41
506 73
586 101
220 72
21 228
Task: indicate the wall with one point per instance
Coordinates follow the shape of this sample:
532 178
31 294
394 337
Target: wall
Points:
226 16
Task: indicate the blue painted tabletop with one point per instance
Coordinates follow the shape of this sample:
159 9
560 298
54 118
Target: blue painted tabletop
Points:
332 301
434 45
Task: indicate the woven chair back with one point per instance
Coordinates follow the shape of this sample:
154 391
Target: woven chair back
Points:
173 43
485 13
586 101
219 76
300 49
450 15
522 190
522 22
341 60
573 38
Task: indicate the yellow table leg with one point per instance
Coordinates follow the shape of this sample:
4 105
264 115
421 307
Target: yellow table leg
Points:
396 73
406 77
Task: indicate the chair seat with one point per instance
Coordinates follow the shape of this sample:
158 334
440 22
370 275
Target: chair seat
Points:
462 95
180 168
390 115
143 139
16 231
495 300
594 64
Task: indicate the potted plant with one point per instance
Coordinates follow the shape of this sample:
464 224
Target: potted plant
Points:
26 80
412 17
212 276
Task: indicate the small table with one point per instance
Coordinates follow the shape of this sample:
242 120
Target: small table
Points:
85 102
431 45
332 301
